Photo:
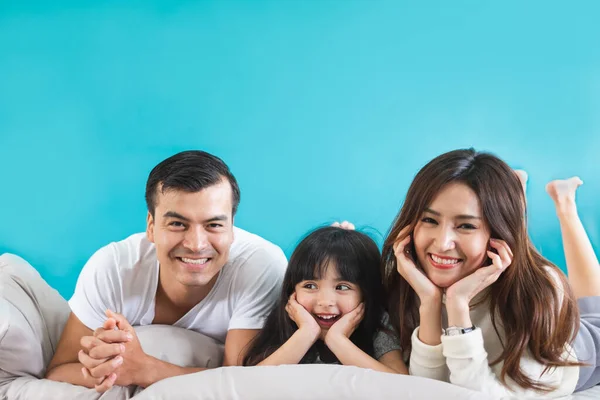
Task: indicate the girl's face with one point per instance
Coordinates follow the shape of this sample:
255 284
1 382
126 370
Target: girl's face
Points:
451 237
328 298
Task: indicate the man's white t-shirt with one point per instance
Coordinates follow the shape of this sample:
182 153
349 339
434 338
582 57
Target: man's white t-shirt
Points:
123 277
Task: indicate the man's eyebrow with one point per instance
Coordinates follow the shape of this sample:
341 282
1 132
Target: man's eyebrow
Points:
173 214
217 218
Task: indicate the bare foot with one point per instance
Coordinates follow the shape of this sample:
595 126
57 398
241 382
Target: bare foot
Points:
562 192
523 177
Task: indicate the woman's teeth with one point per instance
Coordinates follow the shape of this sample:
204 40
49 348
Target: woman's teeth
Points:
447 261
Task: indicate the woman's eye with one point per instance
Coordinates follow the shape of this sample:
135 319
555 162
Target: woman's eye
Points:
428 220
467 226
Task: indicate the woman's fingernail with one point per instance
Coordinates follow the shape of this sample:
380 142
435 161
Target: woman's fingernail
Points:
118 360
122 347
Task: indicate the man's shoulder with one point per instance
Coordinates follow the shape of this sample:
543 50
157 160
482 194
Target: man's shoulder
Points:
132 252
251 256
246 244
118 276
136 243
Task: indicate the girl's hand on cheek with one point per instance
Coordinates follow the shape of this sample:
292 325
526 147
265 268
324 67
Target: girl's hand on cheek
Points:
305 321
347 324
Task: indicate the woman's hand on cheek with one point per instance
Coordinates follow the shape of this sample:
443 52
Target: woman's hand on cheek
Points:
305 321
460 294
427 291
347 324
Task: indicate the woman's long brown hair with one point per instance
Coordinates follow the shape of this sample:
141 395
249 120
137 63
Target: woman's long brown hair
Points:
525 300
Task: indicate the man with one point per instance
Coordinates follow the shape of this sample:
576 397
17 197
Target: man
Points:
191 268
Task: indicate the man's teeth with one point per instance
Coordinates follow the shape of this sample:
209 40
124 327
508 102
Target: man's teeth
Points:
197 261
446 261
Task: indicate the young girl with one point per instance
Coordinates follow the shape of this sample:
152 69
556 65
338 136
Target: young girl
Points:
470 296
331 308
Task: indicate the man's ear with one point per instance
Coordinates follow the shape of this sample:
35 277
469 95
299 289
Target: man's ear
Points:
150 227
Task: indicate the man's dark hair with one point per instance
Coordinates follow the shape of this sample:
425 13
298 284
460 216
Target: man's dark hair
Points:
189 171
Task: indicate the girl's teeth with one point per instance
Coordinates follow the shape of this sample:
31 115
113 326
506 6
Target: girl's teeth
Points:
445 260
327 316
194 261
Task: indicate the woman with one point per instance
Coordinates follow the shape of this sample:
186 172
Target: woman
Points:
472 299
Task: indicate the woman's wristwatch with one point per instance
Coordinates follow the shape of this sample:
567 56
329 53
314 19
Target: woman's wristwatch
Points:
456 330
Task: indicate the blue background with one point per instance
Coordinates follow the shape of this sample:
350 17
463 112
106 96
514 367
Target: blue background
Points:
324 110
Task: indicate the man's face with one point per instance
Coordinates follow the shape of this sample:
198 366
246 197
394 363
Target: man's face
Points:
192 233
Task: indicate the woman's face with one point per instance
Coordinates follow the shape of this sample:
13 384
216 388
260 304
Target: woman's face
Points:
451 238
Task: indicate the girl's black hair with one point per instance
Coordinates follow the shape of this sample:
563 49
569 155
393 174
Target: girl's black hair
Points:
356 258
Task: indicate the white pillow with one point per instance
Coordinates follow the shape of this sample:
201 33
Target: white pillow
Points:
32 316
180 346
27 388
300 382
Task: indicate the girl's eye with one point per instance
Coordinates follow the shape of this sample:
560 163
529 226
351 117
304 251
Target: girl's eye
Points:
310 286
428 220
342 287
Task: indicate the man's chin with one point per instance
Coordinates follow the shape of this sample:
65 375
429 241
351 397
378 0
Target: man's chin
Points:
194 281
197 278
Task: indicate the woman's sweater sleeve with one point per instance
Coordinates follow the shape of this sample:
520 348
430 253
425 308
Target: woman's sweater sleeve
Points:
469 367
427 361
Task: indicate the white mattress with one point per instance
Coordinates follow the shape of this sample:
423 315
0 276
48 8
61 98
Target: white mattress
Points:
593 393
